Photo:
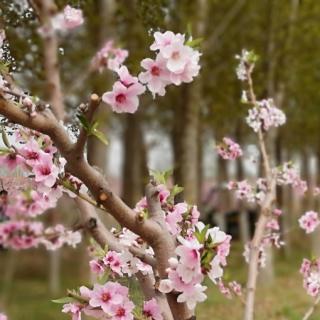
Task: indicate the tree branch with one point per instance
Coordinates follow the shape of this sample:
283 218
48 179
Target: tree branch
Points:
164 247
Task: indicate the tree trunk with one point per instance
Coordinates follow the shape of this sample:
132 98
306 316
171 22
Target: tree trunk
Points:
135 170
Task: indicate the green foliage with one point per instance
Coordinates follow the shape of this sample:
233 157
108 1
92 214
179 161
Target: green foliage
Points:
64 300
92 129
161 177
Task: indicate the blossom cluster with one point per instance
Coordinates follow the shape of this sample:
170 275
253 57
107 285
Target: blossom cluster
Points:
229 150
119 263
109 56
70 18
247 60
42 184
309 221
203 253
176 62
272 237
22 234
310 270
108 301
288 174
245 191
265 115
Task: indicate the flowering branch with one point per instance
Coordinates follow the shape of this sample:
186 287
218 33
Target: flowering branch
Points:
266 206
164 247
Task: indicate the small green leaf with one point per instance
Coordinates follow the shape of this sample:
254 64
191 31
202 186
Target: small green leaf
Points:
194 43
4 67
176 190
161 177
104 278
98 134
64 300
84 122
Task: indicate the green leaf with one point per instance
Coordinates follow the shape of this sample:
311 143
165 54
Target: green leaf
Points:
104 278
176 190
84 122
98 134
161 177
4 67
194 43
64 300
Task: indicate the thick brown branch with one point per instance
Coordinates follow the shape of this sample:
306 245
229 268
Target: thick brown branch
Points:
46 123
164 247
104 237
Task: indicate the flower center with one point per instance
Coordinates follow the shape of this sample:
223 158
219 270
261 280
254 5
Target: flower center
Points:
120 98
155 71
12 156
32 155
121 312
175 55
105 297
45 171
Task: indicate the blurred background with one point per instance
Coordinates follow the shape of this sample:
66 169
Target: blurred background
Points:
179 132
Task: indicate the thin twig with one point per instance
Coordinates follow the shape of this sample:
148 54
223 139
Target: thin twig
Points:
311 310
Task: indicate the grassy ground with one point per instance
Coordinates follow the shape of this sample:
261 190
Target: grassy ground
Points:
27 296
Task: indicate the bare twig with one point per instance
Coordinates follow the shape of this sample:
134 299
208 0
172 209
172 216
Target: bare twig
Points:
311 310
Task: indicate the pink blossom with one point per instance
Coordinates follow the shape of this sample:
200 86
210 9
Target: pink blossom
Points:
112 260
265 115
96 266
174 217
11 160
236 288
164 193
216 272
193 295
309 221
165 286
107 295
305 267
3 316
273 224
156 75
122 98
229 150
277 212
32 152
151 310
74 309
162 40
189 264
109 57
45 171
224 290
122 311
69 19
